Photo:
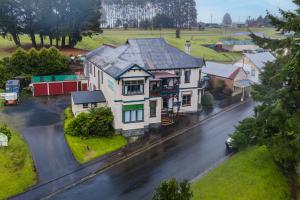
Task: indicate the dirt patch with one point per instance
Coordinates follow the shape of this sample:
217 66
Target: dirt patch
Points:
90 154
65 51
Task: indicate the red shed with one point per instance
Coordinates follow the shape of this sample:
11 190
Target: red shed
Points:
57 85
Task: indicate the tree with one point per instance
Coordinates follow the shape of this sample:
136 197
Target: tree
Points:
227 21
162 21
245 134
173 190
10 19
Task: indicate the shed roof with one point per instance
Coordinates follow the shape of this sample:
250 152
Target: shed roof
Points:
88 97
149 54
237 42
243 83
260 59
222 70
38 79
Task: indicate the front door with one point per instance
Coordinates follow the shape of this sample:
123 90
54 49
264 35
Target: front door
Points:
165 103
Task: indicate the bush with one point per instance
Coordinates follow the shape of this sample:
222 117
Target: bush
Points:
173 190
4 129
245 134
43 62
97 122
207 99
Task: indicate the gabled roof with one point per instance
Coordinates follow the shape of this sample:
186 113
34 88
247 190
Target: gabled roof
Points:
222 70
149 54
260 59
88 97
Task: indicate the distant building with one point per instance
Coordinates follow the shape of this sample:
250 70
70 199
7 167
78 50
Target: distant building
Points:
235 78
254 63
237 45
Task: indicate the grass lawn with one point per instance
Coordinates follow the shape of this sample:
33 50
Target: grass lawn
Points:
248 175
16 168
119 36
97 146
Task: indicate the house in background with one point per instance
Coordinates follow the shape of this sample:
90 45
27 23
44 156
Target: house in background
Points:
145 82
234 78
254 63
84 100
237 45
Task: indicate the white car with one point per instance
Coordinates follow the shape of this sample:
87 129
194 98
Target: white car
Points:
228 143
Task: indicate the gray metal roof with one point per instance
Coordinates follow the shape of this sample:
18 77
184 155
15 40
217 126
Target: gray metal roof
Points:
260 59
220 69
244 83
149 54
88 97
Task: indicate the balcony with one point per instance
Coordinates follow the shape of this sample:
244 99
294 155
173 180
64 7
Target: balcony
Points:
164 84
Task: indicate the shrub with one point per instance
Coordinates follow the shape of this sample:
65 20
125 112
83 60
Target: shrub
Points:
207 99
97 122
245 134
173 190
4 129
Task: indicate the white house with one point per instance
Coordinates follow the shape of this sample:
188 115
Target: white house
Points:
84 100
254 63
145 82
3 140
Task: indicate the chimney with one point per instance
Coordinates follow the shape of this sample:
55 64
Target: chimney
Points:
188 47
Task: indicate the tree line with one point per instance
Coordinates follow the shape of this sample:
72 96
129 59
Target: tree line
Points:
59 20
149 13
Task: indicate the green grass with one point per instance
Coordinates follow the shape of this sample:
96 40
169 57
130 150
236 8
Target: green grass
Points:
248 175
97 146
16 168
198 39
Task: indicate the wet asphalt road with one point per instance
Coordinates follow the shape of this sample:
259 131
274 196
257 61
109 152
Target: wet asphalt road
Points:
184 157
39 121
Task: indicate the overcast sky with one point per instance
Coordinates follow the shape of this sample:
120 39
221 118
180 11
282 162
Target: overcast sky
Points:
239 9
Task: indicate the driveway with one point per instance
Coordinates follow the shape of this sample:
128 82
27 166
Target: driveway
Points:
39 121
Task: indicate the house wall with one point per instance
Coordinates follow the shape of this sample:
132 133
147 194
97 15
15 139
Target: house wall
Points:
250 68
78 108
216 79
112 90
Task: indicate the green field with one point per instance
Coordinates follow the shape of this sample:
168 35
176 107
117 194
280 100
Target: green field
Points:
16 168
198 39
85 150
248 175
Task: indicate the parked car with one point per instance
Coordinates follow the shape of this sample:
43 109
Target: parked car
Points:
228 143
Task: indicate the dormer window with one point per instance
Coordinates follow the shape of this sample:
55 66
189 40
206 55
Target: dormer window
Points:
133 88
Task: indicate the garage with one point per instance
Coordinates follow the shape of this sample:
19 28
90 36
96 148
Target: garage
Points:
55 88
57 85
69 87
40 89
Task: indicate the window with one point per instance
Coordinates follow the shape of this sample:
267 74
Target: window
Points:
133 87
99 80
101 77
90 68
186 100
133 113
153 108
253 72
94 71
187 76
85 105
